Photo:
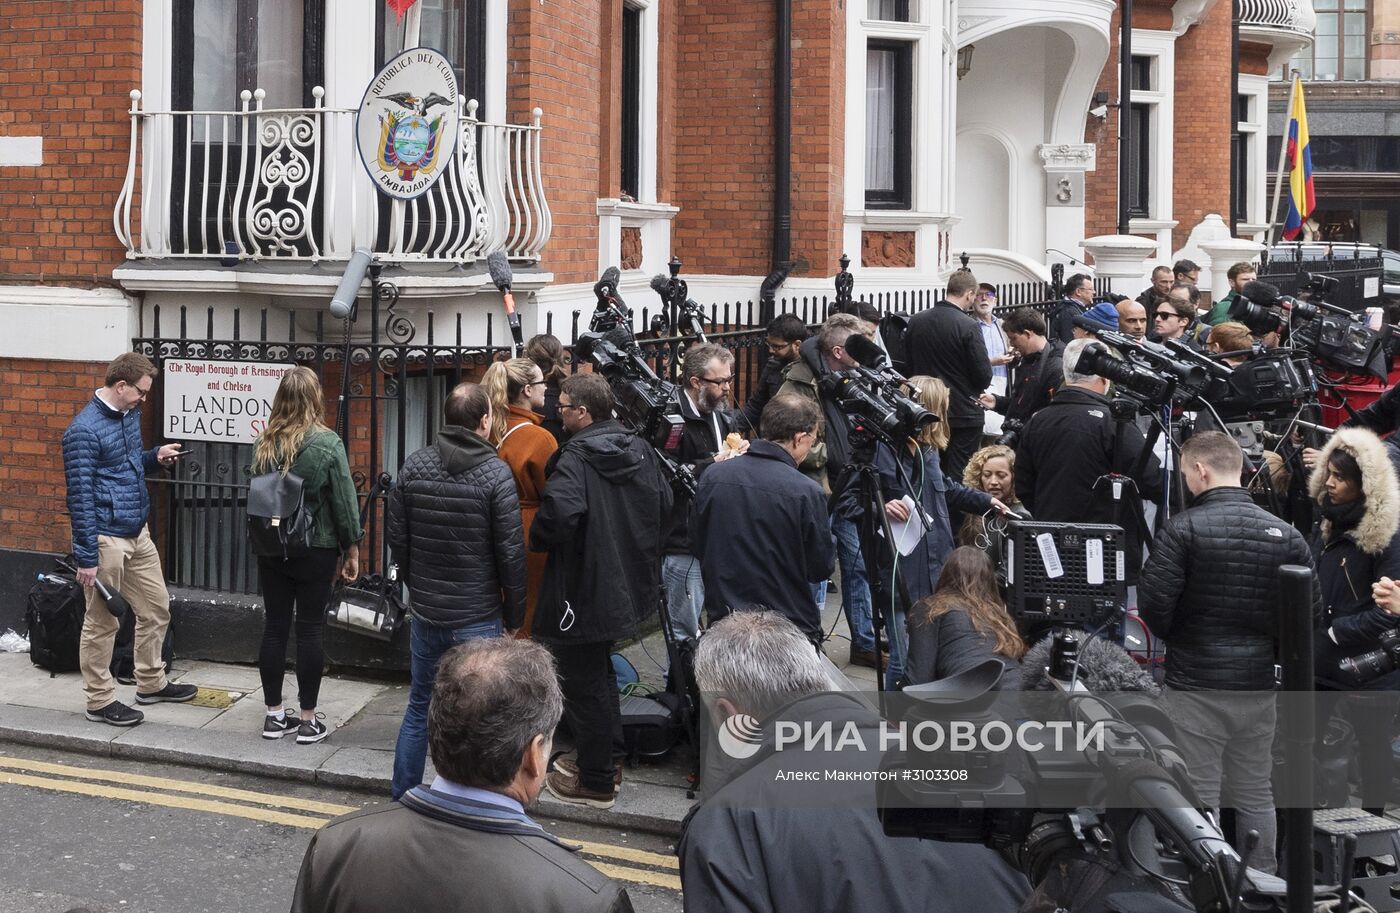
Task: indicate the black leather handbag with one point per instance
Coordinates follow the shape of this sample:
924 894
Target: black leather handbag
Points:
279 525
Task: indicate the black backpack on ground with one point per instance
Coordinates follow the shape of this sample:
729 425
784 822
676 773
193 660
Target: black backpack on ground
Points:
123 666
279 525
53 615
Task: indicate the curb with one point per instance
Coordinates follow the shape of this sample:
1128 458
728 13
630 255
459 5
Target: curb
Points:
327 764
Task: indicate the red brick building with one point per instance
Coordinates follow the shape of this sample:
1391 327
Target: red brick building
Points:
605 132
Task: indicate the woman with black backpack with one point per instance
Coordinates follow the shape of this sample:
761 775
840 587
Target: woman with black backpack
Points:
297 583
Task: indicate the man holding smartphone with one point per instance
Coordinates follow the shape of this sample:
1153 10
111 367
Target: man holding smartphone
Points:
105 466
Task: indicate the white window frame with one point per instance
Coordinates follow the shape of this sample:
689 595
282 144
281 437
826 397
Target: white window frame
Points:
1254 133
1161 100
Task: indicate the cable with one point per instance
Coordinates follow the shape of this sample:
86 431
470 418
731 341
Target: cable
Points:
1074 673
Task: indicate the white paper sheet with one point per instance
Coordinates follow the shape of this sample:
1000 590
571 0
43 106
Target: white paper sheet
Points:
908 533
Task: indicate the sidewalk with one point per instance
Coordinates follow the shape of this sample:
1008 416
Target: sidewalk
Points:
221 729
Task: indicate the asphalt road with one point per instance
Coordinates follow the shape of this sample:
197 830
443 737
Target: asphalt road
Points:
116 836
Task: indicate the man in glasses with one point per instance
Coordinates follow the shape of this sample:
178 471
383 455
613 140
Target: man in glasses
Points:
106 465
707 378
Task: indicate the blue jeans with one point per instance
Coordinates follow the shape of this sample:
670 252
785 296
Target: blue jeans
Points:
898 641
855 588
685 595
427 643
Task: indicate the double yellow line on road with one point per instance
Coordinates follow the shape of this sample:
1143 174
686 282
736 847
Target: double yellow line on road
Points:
638 866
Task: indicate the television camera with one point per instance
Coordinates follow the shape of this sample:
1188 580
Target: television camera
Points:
1333 335
645 403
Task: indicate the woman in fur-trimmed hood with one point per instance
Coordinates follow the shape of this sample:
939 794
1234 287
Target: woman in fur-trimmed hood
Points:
1356 486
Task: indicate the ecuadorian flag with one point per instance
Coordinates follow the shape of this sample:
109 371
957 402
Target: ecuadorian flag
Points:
1301 200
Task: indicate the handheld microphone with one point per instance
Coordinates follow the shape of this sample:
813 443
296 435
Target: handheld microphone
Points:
866 353
116 602
498 266
343 301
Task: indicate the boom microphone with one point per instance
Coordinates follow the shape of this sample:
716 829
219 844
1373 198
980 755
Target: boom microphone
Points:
1263 294
498 265
866 353
343 301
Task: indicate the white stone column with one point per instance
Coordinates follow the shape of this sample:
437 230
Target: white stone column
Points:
1223 254
1065 165
1122 259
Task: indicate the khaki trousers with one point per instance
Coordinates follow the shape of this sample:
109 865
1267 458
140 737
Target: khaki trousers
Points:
133 567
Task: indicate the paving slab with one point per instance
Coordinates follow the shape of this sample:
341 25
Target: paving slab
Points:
55 729
358 768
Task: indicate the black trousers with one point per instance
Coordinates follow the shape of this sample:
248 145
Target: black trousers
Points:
962 445
1372 718
592 709
300 588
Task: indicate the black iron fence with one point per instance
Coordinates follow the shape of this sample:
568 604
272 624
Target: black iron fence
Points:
399 375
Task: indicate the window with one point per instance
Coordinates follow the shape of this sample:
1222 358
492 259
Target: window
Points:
457 28
889 118
1244 146
631 101
888 10
224 47
1140 117
1339 44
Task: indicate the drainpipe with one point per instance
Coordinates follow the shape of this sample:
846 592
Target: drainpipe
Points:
782 165
1125 120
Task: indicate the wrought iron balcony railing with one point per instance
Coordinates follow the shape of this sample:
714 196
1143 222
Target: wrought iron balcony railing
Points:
287 184
1293 16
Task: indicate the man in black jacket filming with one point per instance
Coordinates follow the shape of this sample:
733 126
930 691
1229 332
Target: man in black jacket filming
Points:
454 530
1210 589
606 499
1070 453
946 342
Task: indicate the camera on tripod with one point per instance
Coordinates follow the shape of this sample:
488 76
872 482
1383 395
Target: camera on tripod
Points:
873 398
1374 664
1147 375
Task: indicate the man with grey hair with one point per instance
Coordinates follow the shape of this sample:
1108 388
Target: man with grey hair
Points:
465 842
707 377
758 843
1071 450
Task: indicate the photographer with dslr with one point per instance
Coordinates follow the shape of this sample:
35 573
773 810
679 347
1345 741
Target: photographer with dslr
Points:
1071 451
1039 373
1356 487
1210 590
707 375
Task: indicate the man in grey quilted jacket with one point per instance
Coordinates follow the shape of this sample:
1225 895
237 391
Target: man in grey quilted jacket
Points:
105 467
454 530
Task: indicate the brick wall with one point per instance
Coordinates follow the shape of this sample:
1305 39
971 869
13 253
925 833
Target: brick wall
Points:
555 58
68 68
818 134
724 137
40 398
1201 144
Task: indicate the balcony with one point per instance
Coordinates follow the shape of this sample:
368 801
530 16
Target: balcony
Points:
1286 25
286 185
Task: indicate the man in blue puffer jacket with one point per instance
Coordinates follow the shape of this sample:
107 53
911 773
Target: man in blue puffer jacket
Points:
106 471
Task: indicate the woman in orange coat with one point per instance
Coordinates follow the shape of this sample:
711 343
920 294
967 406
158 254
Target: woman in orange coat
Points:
516 388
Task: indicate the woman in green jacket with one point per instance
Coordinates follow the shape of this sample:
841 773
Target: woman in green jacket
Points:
297 440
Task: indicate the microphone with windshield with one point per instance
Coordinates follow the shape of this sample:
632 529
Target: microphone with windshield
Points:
674 291
343 301
498 265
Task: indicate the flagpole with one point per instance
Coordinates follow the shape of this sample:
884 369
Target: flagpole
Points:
1282 160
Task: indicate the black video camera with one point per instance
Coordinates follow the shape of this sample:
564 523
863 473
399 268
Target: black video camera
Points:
874 402
1331 334
644 402
1378 662
1148 375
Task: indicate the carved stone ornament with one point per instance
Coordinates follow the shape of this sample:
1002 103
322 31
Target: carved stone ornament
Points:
1067 156
887 248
